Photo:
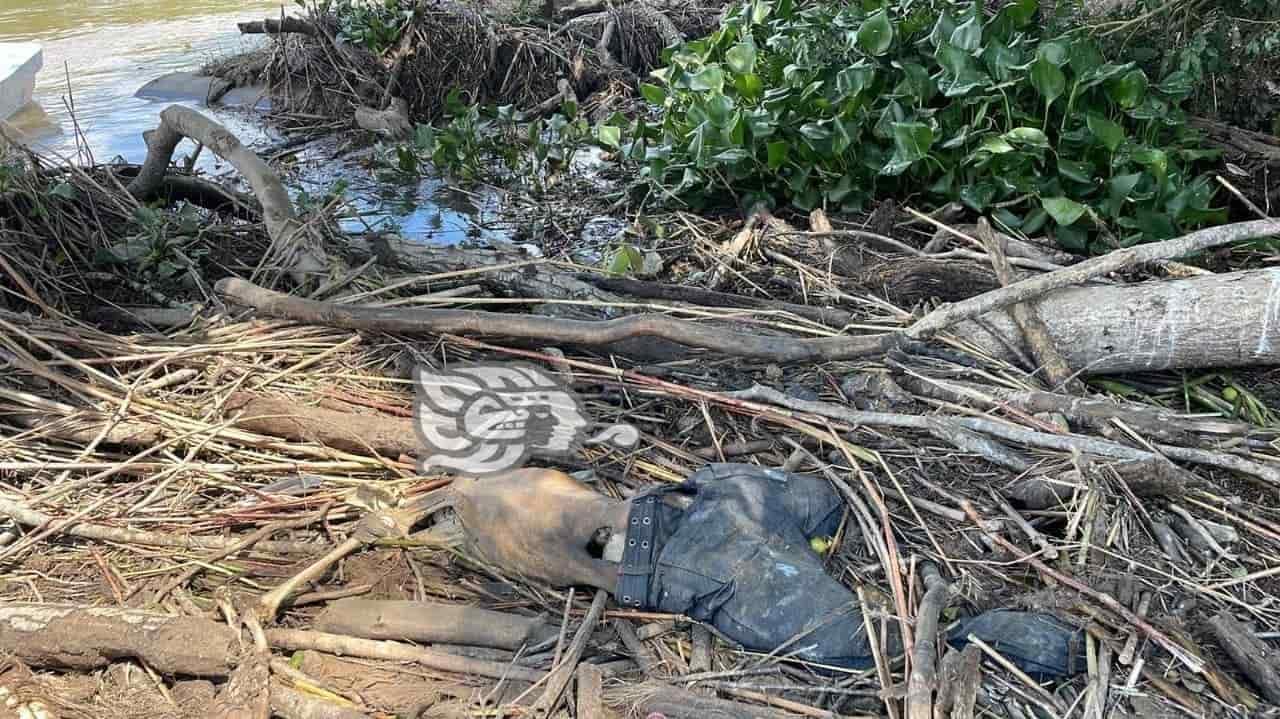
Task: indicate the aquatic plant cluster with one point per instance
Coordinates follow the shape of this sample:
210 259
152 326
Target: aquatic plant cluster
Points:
836 104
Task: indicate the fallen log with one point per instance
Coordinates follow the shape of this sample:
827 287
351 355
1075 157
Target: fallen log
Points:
431 623
1226 320
1211 321
122 535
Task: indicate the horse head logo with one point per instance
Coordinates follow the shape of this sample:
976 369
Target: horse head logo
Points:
483 419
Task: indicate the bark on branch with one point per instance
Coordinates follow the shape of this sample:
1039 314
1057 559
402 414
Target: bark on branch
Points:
1258 661
1130 331
176 122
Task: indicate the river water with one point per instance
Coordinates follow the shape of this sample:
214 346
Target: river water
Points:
98 53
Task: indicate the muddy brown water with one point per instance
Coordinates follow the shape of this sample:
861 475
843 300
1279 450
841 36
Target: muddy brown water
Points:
98 53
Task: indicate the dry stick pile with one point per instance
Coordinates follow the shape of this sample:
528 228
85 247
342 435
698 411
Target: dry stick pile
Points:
157 483
316 76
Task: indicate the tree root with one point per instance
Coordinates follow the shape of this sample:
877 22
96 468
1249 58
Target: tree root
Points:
924 655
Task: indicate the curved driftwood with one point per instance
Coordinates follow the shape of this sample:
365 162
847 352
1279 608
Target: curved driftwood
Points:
287 234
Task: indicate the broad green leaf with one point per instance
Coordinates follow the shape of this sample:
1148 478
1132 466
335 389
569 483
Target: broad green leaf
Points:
711 78
968 36
979 196
1084 56
1075 239
1110 134
1076 171
876 34
1054 52
610 136
760 10
916 81
1129 90
732 155
1179 84
942 30
653 94
814 131
625 258
1102 73
1021 12
895 166
741 58
1119 189
1155 160
1048 80
961 74
1000 60
996 145
854 79
912 140
1034 221
1030 136
942 186
1156 225
778 153
719 110
748 86
1063 211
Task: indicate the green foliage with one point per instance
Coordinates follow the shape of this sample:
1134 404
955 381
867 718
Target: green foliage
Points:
831 104
156 250
1228 52
374 24
477 143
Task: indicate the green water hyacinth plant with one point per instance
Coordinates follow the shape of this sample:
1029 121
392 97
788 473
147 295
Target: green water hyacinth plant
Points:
834 104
